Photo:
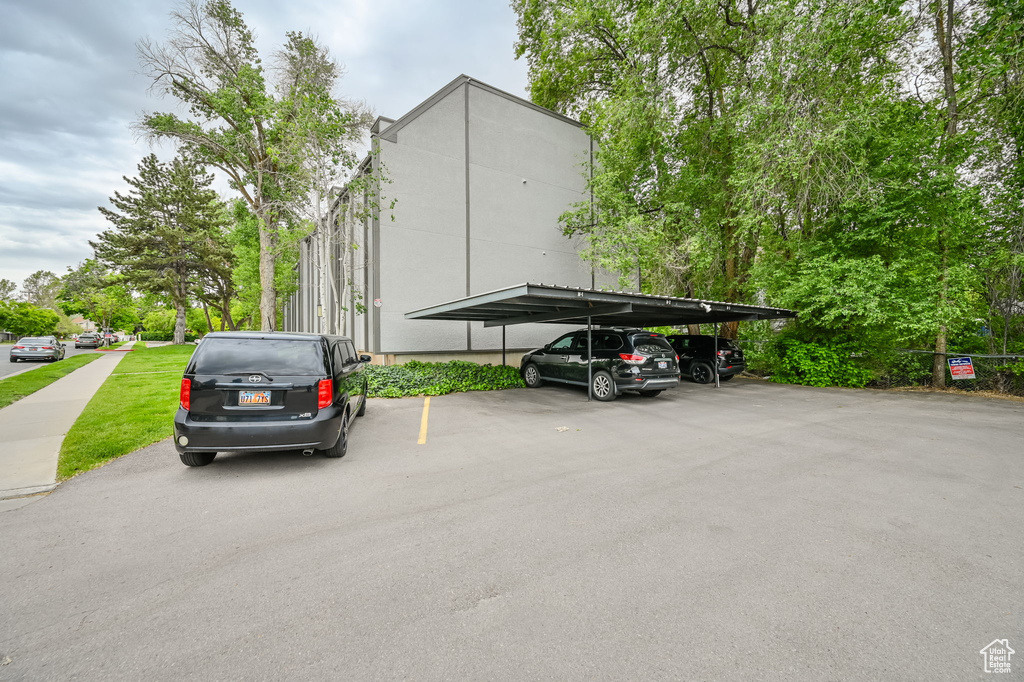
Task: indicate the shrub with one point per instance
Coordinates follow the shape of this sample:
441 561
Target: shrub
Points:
814 364
438 378
163 336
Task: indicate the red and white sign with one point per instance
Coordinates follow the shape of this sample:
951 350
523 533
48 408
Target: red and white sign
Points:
961 368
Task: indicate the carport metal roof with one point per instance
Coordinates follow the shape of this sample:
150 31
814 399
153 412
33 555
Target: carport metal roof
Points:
549 303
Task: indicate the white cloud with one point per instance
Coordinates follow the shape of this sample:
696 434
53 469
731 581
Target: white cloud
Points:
69 88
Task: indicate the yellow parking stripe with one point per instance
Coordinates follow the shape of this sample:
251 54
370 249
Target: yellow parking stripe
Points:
423 421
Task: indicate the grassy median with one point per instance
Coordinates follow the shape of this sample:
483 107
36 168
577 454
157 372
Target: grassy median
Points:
17 387
134 408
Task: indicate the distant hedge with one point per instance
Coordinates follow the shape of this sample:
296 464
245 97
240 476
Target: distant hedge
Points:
163 336
438 378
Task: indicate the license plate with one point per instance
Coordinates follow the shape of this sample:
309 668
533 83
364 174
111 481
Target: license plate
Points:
663 364
254 397
33 349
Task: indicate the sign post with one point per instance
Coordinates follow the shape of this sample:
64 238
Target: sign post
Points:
961 368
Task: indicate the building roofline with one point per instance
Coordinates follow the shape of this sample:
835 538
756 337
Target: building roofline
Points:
389 133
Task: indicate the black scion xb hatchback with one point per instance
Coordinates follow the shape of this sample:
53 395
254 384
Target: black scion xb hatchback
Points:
260 391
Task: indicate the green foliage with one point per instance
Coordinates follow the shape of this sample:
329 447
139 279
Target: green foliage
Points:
7 289
167 234
261 132
163 336
24 319
140 397
438 378
93 291
813 364
159 321
41 289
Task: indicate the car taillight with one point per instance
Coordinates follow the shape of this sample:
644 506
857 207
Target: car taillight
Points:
46 347
185 396
325 394
20 347
677 358
633 359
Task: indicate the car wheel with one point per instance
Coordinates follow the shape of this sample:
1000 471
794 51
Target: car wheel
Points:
362 408
649 394
531 375
602 386
702 373
341 447
727 378
197 459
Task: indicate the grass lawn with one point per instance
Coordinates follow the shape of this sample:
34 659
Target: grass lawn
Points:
133 408
17 387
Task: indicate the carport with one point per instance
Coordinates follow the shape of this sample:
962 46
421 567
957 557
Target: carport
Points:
553 304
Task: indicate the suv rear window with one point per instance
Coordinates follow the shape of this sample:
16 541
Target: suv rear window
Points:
274 357
645 343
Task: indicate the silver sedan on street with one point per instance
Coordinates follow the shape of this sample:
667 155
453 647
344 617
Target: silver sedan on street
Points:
38 348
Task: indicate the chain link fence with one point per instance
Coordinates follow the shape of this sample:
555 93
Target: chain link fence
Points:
991 372
908 368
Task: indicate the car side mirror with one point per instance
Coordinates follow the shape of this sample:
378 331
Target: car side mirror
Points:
547 346
365 358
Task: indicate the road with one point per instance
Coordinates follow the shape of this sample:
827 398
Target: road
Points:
751 532
8 368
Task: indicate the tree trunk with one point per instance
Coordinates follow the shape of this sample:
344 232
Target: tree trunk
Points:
179 324
944 36
268 295
206 311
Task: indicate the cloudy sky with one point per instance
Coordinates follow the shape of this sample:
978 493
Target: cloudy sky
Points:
69 89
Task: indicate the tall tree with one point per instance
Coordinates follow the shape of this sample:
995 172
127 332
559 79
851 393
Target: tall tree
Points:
167 232
7 289
255 131
95 292
714 122
41 289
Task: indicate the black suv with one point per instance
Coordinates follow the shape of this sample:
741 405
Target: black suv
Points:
697 355
623 360
254 391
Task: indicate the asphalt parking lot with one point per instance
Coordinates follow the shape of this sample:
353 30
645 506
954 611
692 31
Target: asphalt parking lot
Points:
756 531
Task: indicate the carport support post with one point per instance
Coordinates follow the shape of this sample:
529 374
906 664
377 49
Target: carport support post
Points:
590 364
714 357
502 345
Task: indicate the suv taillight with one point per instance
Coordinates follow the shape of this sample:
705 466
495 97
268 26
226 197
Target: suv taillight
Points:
633 359
325 394
185 396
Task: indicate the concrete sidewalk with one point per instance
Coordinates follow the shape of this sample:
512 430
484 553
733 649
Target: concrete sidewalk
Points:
32 429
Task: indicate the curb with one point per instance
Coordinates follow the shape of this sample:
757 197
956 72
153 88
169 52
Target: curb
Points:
15 493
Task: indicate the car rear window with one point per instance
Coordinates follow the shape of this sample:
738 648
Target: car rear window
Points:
273 357
34 341
645 343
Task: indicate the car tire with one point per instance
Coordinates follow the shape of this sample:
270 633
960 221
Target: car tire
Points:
701 373
649 394
197 459
602 386
14 359
531 376
340 448
726 378
362 408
